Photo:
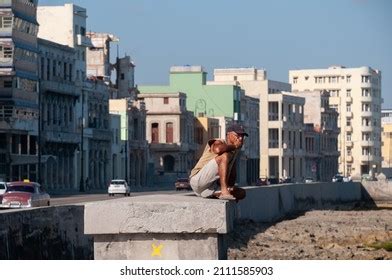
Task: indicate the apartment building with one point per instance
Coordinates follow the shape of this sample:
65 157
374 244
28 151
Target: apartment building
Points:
170 134
59 125
18 90
386 150
321 136
280 117
355 93
134 149
71 25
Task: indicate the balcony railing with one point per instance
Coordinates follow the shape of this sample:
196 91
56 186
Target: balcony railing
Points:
367 128
60 87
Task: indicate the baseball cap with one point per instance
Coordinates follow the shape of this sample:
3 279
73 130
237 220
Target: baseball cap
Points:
237 128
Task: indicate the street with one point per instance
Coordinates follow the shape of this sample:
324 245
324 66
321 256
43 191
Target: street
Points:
57 200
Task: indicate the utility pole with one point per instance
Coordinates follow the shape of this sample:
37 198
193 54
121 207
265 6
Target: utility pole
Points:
81 184
39 134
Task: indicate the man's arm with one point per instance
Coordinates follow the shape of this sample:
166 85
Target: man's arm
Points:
219 147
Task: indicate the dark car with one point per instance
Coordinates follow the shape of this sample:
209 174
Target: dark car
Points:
337 178
182 184
24 195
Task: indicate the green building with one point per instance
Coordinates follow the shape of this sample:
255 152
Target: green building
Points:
202 99
212 100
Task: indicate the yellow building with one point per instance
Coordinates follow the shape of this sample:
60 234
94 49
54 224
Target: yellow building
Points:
386 148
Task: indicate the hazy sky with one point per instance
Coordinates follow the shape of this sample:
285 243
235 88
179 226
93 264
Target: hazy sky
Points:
276 35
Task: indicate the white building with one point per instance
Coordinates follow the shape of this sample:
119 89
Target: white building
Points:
355 93
280 136
66 25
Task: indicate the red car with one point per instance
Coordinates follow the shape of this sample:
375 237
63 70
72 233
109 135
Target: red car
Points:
182 184
24 195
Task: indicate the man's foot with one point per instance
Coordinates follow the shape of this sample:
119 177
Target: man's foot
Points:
226 197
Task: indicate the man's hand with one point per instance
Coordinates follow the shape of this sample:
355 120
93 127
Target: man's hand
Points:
238 143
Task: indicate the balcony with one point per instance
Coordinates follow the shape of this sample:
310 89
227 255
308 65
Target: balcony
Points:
349 128
64 87
367 128
349 144
366 143
367 114
61 137
349 114
83 41
349 159
368 158
368 98
349 99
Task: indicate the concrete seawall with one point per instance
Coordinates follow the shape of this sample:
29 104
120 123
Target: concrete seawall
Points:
187 227
44 233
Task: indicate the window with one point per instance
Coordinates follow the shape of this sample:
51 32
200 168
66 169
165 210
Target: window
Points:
273 114
8 84
82 31
54 68
5 22
48 69
273 138
349 153
122 76
348 122
348 108
169 132
155 133
348 137
166 100
366 92
70 73
5 52
365 79
295 80
348 78
348 92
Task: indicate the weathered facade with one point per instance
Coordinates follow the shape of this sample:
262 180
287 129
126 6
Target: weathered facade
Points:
321 136
59 125
169 132
18 90
133 154
96 134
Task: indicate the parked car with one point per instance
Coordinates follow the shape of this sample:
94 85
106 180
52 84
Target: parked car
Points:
347 179
119 186
24 195
285 180
309 180
262 181
337 178
182 184
3 187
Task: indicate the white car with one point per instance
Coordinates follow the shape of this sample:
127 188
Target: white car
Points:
119 186
309 180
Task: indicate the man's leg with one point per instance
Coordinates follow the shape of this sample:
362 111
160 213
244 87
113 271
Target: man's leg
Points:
204 182
223 165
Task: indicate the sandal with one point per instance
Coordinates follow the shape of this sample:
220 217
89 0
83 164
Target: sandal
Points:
227 197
